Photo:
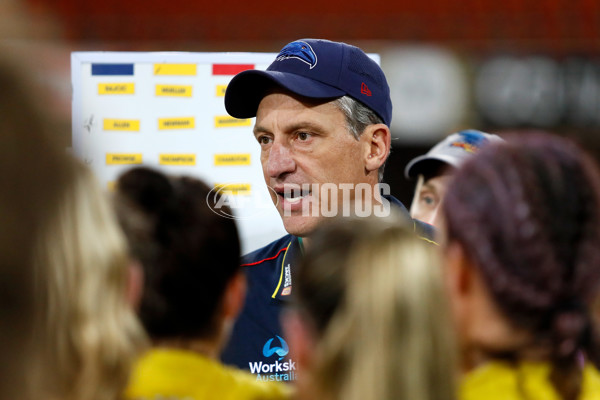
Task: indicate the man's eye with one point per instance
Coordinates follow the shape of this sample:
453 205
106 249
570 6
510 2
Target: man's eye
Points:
303 136
264 140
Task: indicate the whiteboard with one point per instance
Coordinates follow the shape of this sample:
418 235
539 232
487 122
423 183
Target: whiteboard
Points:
166 110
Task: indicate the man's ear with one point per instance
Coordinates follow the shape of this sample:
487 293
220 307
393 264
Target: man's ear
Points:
234 296
377 141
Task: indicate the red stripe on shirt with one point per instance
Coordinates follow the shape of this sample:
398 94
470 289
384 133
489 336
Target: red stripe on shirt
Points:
266 259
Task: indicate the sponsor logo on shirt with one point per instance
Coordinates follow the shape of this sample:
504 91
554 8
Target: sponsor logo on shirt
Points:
278 370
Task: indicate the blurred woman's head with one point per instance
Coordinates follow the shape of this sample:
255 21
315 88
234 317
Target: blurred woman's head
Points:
189 254
371 300
88 333
33 172
523 249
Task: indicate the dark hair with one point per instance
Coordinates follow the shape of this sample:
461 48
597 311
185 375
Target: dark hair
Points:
527 212
188 252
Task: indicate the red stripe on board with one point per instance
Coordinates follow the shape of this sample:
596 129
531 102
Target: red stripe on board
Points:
265 259
230 69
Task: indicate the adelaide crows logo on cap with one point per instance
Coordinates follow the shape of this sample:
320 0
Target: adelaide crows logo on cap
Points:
299 50
470 141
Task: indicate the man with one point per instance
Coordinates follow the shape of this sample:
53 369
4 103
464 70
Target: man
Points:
323 112
435 169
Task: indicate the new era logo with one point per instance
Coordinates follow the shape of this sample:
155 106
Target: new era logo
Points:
364 89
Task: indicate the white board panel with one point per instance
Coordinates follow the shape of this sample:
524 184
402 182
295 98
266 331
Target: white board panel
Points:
166 110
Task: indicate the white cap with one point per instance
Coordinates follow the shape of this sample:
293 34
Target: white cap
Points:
453 150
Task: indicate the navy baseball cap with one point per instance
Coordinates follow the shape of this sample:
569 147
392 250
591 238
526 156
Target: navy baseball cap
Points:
453 150
317 69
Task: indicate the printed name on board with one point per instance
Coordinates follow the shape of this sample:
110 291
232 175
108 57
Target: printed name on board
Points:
177 159
121 124
116 88
176 123
121 158
221 90
174 90
223 121
231 159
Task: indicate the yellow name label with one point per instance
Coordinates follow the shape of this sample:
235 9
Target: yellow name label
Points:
223 121
177 159
233 189
120 158
121 124
174 90
232 159
176 123
175 69
221 90
116 88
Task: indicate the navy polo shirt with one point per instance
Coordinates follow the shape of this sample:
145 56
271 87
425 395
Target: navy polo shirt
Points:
257 343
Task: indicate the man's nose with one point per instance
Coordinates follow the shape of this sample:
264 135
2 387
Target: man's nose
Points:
279 160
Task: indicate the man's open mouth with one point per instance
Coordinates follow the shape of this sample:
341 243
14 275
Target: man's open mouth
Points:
294 195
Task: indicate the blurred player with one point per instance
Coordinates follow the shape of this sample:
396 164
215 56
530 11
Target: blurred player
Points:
434 171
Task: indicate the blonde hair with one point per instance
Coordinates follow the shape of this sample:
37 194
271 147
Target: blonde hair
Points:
31 175
88 333
390 337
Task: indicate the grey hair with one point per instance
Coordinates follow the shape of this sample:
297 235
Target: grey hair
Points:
358 117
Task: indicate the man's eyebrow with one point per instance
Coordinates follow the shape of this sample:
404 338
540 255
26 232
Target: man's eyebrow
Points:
259 129
306 125
312 126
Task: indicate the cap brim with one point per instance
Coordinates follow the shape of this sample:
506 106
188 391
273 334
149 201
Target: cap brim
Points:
246 90
418 164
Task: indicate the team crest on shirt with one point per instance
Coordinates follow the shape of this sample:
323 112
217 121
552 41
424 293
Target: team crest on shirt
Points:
298 50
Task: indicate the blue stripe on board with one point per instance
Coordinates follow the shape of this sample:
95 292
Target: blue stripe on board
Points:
112 69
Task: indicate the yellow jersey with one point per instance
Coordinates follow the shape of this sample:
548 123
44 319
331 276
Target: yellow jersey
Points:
504 381
170 374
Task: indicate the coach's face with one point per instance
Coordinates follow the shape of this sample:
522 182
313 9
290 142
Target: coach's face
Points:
305 143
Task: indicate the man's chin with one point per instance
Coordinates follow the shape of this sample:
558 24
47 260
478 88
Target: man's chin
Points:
300 225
